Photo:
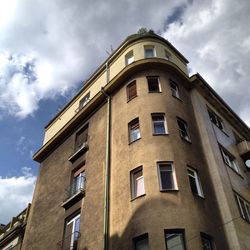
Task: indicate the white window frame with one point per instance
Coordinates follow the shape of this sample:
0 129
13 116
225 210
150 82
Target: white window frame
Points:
196 177
135 181
129 57
163 121
218 122
73 220
175 91
174 179
159 84
131 130
149 47
229 160
246 208
182 132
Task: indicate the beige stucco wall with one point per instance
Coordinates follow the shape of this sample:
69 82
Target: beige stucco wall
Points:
114 68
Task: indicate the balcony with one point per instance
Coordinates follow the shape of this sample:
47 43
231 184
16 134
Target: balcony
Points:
74 192
69 242
244 151
79 151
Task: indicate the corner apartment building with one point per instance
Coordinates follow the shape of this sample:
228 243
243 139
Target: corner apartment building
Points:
143 157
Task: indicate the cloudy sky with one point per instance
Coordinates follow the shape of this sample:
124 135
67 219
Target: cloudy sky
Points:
48 48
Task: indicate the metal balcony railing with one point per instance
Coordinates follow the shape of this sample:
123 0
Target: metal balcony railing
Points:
69 242
78 186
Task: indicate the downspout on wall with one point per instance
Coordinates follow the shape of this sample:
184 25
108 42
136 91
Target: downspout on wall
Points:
107 169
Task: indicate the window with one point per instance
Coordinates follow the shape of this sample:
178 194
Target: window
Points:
153 84
134 130
72 232
129 57
167 55
194 182
229 160
207 242
244 207
131 90
78 183
81 137
175 239
166 174
137 182
84 100
174 89
183 128
159 124
216 120
149 51
141 242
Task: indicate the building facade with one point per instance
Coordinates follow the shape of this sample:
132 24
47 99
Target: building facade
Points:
12 234
143 157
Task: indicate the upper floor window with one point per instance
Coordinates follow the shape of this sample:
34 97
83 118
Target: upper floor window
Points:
141 242
149 51
81 137
207 242
72 233
194 182
174 89
134 130
175 239
137 182
131 90
167 55
244 207
229 159
183 128
167 177
84 100
216 120
129 57
159 124
153 84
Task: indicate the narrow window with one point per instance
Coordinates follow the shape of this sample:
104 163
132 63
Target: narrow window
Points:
206 241
175 239
134 130
81 137
174 89
229 160
141 242
216 120
167 178
244 207
159 124
167 55
183 128
194 182
129 57
84 100
131 90
149 51
71 233
137 183
153 84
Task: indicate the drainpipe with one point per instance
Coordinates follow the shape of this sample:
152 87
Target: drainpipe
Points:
107 170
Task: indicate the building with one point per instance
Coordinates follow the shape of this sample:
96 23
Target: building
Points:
148 157
12 234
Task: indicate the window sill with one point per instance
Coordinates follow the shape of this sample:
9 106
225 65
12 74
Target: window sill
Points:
134 141
160 134
137 197
154 92
178 98
131 98
169 190
73 199
198 196
188 141
235 171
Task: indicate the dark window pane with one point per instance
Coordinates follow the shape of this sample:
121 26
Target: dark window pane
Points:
166 180
206 243
159 128
153 84
193 185
131 90
175 241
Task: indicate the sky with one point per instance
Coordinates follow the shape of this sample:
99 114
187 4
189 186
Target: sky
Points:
49 48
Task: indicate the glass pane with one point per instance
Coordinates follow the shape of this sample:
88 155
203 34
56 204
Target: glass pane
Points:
149 52
206 244
193 185
142 244
139 186
175 241
135 134
166 180
153 85
159 128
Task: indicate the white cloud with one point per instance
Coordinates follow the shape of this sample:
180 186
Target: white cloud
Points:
215 37
48 47
15 194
